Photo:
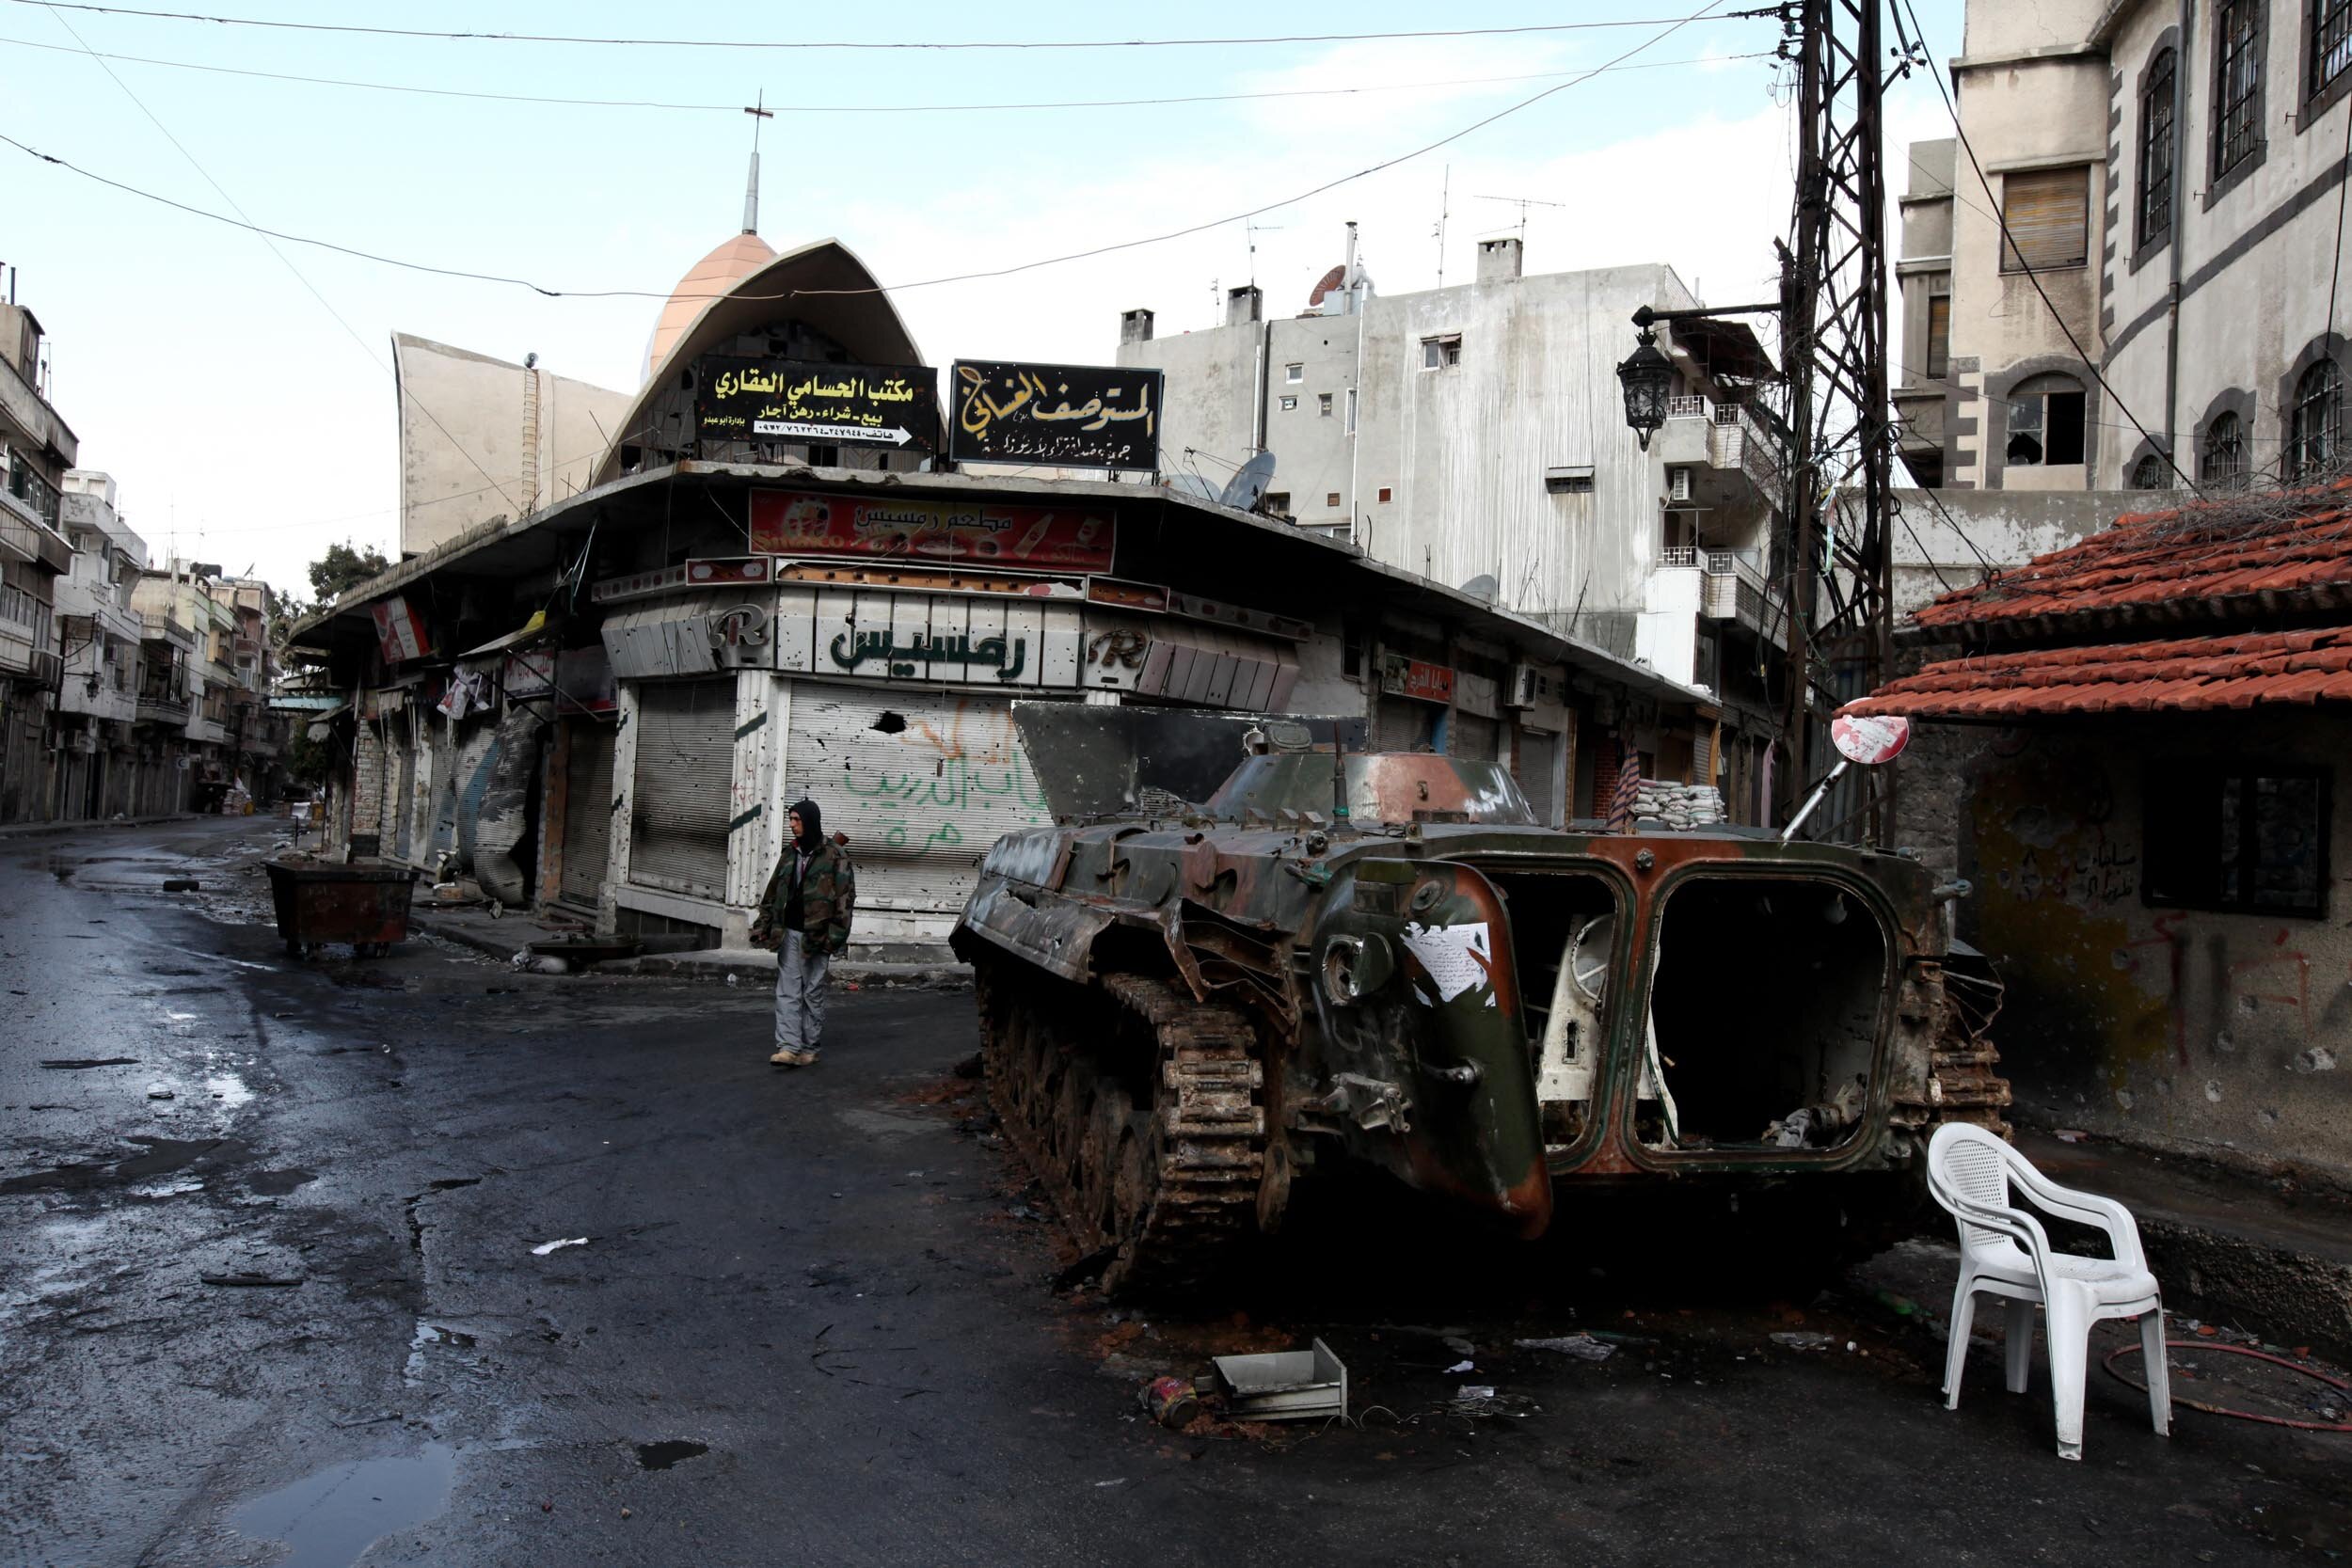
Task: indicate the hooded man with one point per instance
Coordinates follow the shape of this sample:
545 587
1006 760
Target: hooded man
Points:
805 916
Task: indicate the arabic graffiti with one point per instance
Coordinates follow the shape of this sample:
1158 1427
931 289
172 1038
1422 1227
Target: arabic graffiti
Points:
750 399
1078 416
852 649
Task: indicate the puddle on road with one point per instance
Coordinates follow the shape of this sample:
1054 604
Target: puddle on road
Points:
661 1456
329 1520
427 1336
229 1091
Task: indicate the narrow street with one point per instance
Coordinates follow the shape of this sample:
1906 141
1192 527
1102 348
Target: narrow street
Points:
275 1286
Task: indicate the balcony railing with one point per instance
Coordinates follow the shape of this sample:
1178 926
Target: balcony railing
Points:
1736 589
1739 439
1678 555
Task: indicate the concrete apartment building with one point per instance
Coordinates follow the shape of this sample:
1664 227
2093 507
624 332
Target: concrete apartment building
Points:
100 755
2173 173
37 446
1475 435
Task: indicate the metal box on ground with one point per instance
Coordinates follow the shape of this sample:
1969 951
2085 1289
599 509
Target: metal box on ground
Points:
366 906
1285 1385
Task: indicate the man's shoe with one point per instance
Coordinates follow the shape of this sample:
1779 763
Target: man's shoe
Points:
794 1058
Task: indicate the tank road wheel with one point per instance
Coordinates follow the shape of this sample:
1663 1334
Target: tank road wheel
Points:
1141 1113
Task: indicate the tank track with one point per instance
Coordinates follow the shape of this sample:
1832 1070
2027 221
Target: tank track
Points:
1152 1150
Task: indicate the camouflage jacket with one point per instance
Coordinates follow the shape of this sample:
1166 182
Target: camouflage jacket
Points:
828 899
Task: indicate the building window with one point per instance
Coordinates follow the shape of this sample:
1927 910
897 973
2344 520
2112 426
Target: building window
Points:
1939 336
2151 473
2155 150
1289 403
1442 353
1294 373
2234 836
1574 478
2330 44
1332 499
1278 504
2315 423
2046 215
2046 422
1323 404
2237 83
1385 493
2222 460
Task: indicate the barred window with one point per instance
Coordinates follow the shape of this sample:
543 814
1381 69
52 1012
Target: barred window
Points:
2315 424
2331 44
2156 149
2151 473
2223 460
2237 83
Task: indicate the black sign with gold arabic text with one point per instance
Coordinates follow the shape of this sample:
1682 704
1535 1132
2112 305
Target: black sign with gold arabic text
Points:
1074 416
798 400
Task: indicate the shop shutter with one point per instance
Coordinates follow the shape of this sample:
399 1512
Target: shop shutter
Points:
2047 213
1401 724
678 802
587 811
401 782
1533 755
921 780
1473 736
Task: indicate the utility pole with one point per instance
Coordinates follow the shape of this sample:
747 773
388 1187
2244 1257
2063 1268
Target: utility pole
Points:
1840 586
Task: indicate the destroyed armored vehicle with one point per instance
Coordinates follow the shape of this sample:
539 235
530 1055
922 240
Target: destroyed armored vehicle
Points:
1187 1009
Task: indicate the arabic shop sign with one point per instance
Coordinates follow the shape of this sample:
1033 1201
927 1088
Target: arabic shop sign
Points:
1074 416
796 399
1037 538
1412 677
1004 657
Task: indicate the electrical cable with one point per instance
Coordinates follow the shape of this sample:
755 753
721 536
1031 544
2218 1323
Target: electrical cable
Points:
851 108
905 45
282 256
2216 1347
2009 240
242 221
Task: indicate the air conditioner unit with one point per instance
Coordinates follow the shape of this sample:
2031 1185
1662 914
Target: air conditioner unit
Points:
1679 485
1523 687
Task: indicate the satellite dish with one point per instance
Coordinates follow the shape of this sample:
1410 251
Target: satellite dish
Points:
1246 488
1483 588
1194 485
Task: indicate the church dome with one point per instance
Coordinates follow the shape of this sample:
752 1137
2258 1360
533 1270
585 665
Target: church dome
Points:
730 261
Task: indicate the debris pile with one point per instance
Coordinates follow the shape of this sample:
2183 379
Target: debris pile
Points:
1678 805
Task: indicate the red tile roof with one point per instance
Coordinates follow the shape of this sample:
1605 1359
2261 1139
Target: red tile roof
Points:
2183 674
2193 562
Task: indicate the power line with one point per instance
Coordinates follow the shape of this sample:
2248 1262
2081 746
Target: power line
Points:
2008 241
853 108
282 256
907 45
243 222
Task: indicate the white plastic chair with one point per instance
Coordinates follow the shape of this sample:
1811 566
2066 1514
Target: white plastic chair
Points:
2005 1251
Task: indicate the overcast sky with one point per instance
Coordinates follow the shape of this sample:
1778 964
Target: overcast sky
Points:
248 425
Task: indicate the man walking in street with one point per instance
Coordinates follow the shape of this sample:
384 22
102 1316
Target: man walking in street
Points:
805 916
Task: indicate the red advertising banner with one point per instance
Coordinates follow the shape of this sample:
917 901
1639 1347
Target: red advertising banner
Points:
800 522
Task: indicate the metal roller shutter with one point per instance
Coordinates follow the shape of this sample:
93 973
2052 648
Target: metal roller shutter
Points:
679 802
1533 760
587 811
922 782
2047 213
1470 736
1401 724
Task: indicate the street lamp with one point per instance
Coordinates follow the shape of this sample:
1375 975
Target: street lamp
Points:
1645 374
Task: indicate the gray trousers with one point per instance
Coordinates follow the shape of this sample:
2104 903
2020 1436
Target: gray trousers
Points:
799 994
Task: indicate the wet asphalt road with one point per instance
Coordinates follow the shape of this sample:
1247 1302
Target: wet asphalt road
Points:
813 1320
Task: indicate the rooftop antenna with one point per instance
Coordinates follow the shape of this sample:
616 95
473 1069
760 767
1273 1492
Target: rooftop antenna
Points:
1523 203
1253 228
758 110
1445 190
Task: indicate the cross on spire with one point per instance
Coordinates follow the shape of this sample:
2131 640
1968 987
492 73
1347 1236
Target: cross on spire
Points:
758 110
